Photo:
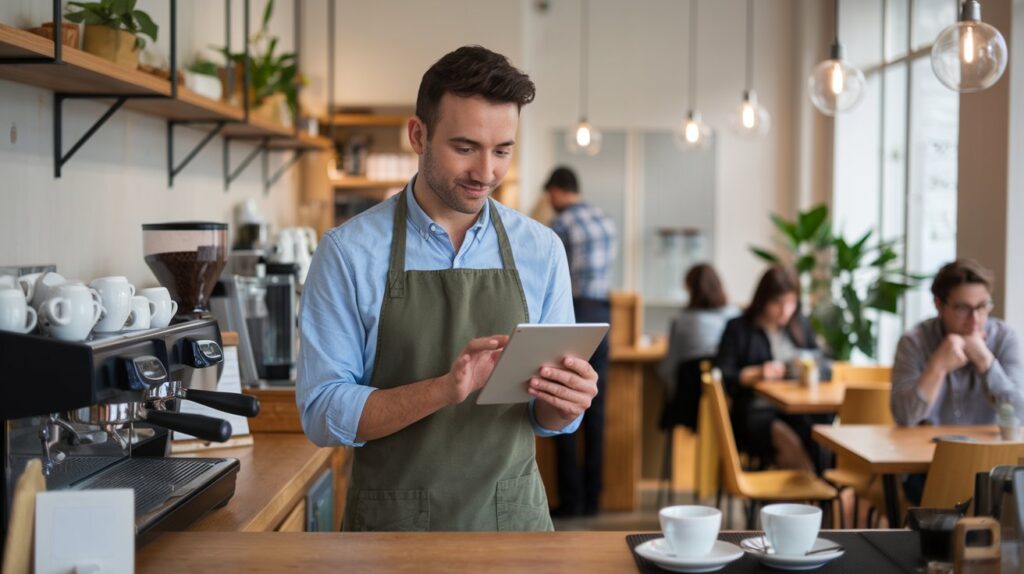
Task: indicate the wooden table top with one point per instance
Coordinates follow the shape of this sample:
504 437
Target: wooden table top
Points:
884 449
641 354
274 474
793 398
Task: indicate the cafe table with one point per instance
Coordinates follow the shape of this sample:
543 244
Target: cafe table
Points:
878 552
893 450
793 398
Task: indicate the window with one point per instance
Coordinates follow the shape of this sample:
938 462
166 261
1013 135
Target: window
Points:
896 152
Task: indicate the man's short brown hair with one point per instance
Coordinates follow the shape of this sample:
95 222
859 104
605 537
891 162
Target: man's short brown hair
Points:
957 273
471 71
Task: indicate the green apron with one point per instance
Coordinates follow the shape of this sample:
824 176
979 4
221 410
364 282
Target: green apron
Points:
467 466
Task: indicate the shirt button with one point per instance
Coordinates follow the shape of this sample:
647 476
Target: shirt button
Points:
433 227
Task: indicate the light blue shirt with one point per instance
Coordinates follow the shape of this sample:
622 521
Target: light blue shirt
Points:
345 287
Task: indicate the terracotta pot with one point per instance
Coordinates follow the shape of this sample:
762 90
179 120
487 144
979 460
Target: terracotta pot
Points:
275 109
68 33
117 46
235 97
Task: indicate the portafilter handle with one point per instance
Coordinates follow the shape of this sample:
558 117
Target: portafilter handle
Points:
199 426
234 403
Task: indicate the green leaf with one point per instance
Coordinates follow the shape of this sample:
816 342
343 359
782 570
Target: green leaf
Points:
267 12
120 7
805 263
885 256
809 222
763 254
787 228
146 25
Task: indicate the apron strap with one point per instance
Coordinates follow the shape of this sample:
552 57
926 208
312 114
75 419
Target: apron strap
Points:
507 260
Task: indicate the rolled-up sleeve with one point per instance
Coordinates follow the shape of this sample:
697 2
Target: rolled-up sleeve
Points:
1005 378
909 408
328 392
557 308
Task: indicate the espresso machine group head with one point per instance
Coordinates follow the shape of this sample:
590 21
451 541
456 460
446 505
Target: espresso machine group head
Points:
97 414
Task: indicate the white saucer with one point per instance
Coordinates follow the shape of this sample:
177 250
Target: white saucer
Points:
657 551
756 547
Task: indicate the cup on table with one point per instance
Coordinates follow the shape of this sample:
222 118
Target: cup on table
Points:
140 315
16 315
72 312
690 531
165 306
41 286
791 529
116 293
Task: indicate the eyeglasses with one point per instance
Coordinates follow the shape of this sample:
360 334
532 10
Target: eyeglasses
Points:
963 311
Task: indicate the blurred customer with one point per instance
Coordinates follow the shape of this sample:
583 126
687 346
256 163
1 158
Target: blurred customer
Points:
693 337
590 241
956 368
759 345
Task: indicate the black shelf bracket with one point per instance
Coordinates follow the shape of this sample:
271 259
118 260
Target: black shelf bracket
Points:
172 169
268 182
231 175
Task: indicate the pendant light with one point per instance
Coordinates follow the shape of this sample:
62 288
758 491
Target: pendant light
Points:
969 56
835 85
693 133
584 139
751 120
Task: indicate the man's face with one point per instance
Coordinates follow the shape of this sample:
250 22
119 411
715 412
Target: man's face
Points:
966 309
469 151
559 198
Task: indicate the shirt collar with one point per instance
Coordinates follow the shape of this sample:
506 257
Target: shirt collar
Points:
423 223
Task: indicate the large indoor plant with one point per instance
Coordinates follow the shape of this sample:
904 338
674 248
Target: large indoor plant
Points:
274 78
113 29
848 284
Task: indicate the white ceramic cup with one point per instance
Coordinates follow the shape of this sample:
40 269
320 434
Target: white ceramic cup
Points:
72 312
12 282
791 529
141 315
16 315
116 293
690 531
41 286
165 306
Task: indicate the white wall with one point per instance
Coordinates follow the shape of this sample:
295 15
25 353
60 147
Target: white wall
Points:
88 221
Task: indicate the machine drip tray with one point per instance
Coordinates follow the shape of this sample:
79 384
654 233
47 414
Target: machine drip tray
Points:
170 493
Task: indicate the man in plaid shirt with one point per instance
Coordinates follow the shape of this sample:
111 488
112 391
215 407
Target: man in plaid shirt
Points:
591 244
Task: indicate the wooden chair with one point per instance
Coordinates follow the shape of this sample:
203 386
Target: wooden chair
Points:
856 375
708 468
765 485
951 474
864 405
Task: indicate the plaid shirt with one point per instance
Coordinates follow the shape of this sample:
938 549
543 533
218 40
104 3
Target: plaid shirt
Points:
590 244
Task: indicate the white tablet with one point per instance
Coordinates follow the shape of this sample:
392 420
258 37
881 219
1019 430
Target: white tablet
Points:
529 348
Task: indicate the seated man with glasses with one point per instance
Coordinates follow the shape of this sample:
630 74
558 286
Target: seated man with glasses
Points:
958 367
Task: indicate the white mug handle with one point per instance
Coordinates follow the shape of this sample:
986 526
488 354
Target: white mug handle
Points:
98 311
174 307
132 288
31 318
52 311
132 317
29 287
152 307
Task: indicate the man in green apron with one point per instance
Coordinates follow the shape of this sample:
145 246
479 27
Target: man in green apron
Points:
405 312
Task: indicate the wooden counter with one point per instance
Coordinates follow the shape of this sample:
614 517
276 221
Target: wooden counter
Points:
534 552
275 473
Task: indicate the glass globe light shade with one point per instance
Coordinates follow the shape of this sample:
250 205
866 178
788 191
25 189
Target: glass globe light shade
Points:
584 139
692 133
835 85
751 120
969 56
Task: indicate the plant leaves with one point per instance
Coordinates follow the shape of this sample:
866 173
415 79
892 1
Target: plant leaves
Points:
805 263
146 25
267 12
787 228
120 7
763 254
809 222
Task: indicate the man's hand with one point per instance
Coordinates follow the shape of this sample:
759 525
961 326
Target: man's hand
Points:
978 352
772 370
951 354
472 367
563 392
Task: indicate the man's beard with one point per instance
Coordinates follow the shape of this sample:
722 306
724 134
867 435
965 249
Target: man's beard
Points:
449 193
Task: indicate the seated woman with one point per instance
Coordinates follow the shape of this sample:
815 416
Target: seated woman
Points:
693 337
757 346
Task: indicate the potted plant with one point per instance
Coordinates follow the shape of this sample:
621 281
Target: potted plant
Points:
274 78
201 77
113 29
846 284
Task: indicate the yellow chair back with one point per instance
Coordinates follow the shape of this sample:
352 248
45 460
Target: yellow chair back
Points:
951 474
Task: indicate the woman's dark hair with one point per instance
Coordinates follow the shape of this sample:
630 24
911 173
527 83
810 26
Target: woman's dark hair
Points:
957 273
471 71
705 288
777 281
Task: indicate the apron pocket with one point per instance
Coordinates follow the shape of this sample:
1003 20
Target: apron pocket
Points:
392 510
522 504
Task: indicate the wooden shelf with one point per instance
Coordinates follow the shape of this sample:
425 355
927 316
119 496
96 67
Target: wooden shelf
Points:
189 106
302 142
79 72
364 183
366 120
258 128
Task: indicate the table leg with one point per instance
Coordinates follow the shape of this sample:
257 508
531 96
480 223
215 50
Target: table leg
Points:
890 484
